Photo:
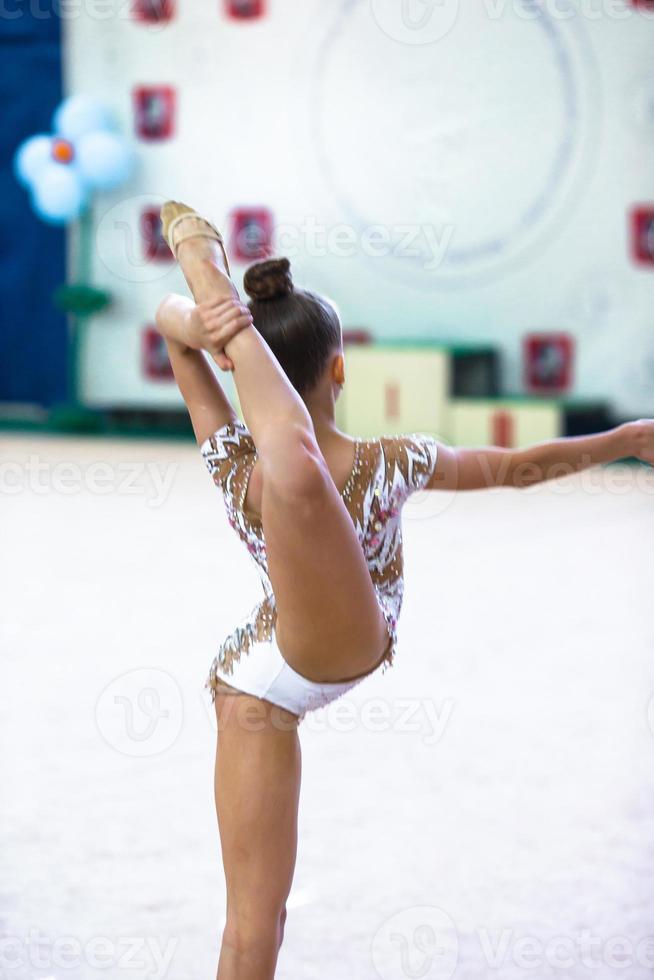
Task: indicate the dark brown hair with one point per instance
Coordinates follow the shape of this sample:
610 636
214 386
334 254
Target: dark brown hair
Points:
301 328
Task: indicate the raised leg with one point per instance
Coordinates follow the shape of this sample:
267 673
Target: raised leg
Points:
257 787
329 624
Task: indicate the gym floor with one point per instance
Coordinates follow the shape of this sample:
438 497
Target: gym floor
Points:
482 809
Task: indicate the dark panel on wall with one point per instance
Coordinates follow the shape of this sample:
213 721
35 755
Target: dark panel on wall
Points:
32 255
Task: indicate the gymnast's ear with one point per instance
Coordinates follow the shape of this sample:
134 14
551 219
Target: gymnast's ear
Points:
338 370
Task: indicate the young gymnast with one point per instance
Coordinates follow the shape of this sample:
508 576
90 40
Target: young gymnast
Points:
320 514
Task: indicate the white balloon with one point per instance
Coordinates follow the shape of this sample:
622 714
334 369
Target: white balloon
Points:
104 160
59 193
31 156
81 114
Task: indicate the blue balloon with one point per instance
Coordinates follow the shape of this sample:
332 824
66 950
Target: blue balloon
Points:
31 157
59 194
104 160
81 114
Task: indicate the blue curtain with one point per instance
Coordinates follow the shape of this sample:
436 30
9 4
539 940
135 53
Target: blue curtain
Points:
33 337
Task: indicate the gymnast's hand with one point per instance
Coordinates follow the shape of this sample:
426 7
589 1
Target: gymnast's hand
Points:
213 324
639 438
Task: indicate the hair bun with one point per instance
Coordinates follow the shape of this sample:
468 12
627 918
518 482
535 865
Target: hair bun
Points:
267 280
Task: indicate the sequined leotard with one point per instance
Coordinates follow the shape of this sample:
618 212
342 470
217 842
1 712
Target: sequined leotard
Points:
385 473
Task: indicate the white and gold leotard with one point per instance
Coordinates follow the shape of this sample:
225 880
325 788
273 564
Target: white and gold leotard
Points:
384 475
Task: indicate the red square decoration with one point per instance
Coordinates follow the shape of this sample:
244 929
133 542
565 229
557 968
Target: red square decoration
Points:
156 363
153 11
154 112
252 234
642 234
549 359
245 9
155 246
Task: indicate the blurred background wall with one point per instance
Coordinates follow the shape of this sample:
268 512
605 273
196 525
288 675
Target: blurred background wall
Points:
459 173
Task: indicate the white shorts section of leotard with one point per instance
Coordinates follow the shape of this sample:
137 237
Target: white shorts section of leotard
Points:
264 673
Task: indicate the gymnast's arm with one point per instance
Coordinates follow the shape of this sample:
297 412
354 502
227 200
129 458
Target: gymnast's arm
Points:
479 469
189 330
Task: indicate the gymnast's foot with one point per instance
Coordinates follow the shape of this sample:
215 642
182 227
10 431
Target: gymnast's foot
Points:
199 249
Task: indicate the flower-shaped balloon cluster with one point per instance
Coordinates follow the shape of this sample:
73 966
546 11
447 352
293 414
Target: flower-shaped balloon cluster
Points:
84 154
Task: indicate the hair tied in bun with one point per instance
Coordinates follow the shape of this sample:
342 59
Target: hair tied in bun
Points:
269 280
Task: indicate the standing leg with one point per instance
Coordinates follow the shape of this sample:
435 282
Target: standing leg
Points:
257 788
329 623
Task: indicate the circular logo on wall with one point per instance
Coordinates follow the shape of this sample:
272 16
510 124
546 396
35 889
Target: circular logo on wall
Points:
463 136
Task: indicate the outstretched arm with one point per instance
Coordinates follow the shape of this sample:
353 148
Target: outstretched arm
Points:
479 469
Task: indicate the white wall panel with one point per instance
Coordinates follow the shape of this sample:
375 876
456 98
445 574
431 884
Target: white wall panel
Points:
520 143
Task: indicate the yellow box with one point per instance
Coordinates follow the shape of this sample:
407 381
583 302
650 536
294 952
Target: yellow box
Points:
506 422
391 390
